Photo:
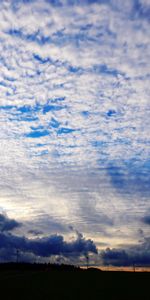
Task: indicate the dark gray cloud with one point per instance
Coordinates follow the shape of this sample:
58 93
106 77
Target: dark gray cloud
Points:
130 179
35 232
146 219
7 224
47 246
135 255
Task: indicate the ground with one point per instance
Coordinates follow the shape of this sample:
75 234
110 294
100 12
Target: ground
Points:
74 284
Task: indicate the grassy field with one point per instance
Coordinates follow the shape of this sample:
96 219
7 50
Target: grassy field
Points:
74 284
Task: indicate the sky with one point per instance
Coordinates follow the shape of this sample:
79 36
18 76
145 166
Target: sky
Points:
74 131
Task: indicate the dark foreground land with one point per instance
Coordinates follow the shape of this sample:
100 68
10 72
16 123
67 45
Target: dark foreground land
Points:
50 282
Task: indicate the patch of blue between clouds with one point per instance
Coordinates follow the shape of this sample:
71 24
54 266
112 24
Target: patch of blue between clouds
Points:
26 109
40 127
85 113
111 113
7 107
36 37
64 130
40 144
105 70
98 144
58 99
41 60
24 119
3 83
11 79
48 108
42 153
74 69
42 40
54 123
37 134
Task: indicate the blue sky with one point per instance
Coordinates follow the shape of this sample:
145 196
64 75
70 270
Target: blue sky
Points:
74 120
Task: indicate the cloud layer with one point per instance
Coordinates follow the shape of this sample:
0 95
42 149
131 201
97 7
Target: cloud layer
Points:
138 255
7 224
74 117
40 247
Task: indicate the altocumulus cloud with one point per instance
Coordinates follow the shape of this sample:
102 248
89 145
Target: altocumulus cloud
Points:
74 93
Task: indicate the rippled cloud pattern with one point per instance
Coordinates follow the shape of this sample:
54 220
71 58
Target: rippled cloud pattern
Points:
74 118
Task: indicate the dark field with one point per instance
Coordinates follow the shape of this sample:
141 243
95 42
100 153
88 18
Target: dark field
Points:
73 284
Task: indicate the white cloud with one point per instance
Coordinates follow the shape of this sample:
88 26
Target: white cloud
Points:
96 57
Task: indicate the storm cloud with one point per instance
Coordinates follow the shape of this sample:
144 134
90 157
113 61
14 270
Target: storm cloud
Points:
47 246
134 255
7 224
146 219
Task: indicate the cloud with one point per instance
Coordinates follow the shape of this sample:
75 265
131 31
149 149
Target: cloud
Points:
135 255
146 219
7 224
47 246
60 66
35 232
74 111
131 179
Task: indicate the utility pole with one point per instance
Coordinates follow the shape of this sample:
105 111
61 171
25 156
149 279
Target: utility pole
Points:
87 261
133 266
17 256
